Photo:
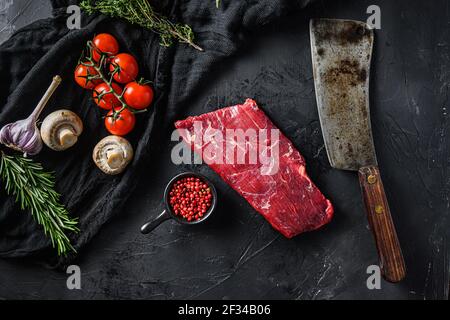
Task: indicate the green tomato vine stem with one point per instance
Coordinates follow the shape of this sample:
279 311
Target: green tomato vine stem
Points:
100 75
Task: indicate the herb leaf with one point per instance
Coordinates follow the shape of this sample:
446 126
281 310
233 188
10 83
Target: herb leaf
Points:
140 12
34 189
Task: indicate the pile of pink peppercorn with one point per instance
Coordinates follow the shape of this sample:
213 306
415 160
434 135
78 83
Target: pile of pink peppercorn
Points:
190 198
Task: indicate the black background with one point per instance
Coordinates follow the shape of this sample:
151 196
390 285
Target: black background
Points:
237 254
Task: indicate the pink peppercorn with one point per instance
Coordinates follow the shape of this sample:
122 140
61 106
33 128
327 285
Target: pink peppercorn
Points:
190 198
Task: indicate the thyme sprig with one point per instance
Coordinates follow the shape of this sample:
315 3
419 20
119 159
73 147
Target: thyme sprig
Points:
140 12
34 190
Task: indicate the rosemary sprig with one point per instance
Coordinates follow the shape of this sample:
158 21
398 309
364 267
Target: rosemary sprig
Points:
34 190
140 12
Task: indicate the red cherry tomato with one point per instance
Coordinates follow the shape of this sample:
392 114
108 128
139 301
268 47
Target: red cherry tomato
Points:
105 43
81 76
127 65
109 100
138 96
122 125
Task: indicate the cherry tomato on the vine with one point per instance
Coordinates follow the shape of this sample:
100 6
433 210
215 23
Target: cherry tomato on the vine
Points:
108 100
105 43
127 66
138 96
122 125
81 76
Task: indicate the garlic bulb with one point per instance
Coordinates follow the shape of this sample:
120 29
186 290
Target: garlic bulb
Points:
23 135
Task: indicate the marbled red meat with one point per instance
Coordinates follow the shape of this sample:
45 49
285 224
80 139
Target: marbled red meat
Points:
286 197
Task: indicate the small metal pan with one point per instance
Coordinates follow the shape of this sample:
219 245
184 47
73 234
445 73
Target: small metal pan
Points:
168 213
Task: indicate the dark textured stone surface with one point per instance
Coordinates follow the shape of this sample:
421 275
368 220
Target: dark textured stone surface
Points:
237 254
15 14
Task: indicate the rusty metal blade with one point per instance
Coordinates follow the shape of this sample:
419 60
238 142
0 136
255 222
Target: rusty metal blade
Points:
341 53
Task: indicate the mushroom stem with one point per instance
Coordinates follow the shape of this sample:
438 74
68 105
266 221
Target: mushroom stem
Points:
114 158
60 129
66 136
112 154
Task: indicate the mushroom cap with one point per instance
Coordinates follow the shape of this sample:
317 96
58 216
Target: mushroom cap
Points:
60 129
112 154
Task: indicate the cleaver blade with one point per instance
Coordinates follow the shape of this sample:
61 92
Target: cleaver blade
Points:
341 53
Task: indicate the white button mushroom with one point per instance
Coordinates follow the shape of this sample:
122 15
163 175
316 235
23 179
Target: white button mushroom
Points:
112 154
60 129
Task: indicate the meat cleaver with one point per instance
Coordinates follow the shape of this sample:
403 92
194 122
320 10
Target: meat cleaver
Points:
341 53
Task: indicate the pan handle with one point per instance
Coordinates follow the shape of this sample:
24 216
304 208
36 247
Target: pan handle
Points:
390 254
149 226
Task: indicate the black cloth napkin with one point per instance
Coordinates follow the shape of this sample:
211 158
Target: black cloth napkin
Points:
34 54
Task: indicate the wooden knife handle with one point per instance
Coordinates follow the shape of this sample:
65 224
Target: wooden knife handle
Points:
391 259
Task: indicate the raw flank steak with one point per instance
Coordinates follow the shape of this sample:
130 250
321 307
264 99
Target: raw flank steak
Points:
280 189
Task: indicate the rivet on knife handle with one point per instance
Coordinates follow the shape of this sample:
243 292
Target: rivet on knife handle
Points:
391 259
